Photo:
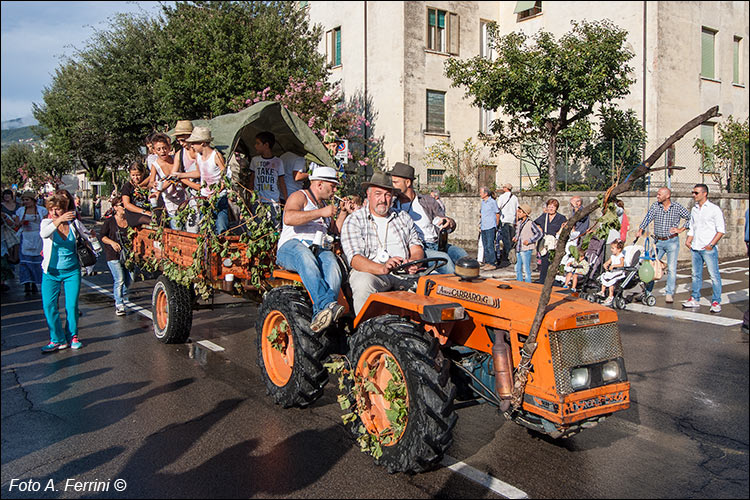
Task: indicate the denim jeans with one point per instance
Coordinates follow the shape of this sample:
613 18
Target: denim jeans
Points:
222 215
488 242
321 275
505 235
671 247
523 265
122 280
711 258
52 281
452 254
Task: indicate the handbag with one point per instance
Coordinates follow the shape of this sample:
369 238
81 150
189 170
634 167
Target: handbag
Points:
86 254
548 242
659 267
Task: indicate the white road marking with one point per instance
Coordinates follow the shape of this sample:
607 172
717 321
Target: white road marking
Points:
688 287
730 270
489 482
210 345
682 314
690 266
140 310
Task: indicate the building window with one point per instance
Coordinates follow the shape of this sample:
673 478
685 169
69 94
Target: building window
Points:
737 57
436 111
708 40
707 135
485 120
526 9
333 46
442 31
435 176
485 48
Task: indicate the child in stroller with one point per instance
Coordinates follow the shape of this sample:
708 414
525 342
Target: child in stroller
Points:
626 285
614 271
586 271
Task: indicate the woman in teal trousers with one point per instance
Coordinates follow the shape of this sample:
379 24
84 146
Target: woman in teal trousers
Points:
60 266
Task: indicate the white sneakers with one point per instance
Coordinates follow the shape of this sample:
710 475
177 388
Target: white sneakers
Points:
691 302
715 307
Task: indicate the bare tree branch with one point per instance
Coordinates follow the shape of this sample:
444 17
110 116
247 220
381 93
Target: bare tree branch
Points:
529 346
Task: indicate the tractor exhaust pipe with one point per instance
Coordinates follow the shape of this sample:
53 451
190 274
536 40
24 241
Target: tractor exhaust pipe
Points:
503 366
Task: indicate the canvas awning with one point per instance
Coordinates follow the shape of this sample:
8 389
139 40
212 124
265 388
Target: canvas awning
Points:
525 5
237 131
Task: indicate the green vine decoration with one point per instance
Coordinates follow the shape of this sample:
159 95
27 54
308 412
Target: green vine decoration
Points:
395 393
276 339
257 230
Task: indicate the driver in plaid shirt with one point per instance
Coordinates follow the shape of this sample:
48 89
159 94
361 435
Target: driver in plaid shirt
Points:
376 240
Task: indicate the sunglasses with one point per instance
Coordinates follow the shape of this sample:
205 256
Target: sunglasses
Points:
696 192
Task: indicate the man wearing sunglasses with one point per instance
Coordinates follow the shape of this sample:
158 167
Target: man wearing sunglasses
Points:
706 229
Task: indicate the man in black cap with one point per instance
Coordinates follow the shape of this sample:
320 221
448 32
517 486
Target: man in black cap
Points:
376 239
428 217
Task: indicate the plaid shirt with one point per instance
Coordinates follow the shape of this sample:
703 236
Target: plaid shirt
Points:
359 236
664 221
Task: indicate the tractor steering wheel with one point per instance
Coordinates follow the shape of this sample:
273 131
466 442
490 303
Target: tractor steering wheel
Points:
433 263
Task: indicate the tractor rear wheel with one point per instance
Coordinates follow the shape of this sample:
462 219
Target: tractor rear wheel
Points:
290 355
390 348
172 310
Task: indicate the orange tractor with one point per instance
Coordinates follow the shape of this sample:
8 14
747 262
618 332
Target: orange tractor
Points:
412 353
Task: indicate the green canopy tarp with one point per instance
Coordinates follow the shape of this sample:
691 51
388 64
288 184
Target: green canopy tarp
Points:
236 132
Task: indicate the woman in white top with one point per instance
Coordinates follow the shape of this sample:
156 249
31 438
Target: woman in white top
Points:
29 218
211 170
614 271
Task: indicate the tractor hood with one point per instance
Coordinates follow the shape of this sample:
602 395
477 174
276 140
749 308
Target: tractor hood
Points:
516 301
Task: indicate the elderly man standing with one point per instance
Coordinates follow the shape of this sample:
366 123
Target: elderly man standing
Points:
376 239
427 215
706 229
507 203
305 214
666 215
582 225
489 220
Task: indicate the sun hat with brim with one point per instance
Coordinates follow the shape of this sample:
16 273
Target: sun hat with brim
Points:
402 170
29 194
525 208
508 186
183 127
324 174
200 134
379 179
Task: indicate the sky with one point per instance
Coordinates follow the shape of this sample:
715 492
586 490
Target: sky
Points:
34 37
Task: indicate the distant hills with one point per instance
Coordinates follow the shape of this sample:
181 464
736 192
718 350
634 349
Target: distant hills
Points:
24 121
22 135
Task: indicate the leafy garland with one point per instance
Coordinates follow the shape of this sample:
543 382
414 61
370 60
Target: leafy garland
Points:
260 235
395 393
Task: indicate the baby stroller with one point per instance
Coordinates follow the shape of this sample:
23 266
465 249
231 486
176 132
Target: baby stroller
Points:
629 287
594 256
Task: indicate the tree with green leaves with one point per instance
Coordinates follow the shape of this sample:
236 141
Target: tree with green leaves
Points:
546 86
14 158
212 52
731 151
618 144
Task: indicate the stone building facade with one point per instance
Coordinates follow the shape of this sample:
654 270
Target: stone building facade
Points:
689 56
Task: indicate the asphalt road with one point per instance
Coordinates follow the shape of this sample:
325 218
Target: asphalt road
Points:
177 421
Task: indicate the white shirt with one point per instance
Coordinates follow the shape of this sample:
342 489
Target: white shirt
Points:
425 227
267 172
705 222
292 164
392 245
508 204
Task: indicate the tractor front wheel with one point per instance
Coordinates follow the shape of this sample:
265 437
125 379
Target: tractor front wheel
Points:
290 355
401 393
172 311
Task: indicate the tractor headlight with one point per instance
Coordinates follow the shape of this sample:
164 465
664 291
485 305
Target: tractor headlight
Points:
610 371
579 378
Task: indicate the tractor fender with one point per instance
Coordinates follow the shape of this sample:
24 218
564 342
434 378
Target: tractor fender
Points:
430 310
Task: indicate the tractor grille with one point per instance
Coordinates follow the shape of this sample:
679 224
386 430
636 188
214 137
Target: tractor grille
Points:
582 346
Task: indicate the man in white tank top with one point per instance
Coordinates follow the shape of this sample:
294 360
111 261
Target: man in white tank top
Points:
307 220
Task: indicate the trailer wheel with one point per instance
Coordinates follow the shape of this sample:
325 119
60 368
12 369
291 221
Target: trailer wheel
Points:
430 416
290 355
172 310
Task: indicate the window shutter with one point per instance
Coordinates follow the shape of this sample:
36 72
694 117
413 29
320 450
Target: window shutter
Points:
453 37
329 47
441 19
431 17
736 61
707 53
435 111
337 59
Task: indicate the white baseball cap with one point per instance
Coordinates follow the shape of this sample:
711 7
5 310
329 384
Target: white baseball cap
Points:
324 174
